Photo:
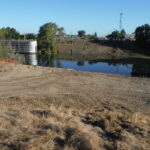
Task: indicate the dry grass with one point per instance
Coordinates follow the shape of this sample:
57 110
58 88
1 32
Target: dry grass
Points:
58 109
55 124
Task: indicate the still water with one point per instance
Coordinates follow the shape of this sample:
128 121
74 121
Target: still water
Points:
128 66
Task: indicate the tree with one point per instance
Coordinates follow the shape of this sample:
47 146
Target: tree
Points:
2 34
122 34
47 38
30 36
9 34
142 36
116 35
95 35
61 32
81 33
12 33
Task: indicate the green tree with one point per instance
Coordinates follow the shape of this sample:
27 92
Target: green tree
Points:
95 35
47 38
31 36
12 33
122 34
116 35
60 32
142 35
9 33
2 34
81 33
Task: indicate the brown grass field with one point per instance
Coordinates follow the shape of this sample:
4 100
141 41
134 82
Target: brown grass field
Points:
58 109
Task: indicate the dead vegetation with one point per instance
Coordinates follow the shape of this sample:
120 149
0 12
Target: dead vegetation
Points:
58 109
55 124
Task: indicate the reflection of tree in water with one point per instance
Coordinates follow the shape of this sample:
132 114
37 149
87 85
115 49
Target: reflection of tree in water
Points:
110 62
141 69
80 63
113 63
30 59
138 67
91 62
58 64
53 62
49 60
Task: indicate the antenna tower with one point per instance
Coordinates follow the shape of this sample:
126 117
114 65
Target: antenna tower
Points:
120 24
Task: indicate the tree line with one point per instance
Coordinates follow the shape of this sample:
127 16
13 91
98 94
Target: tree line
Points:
82 34
46 36
50 32
9 33
142 36
12 34
117 35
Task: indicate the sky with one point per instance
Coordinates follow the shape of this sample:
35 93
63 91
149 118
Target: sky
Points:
101 16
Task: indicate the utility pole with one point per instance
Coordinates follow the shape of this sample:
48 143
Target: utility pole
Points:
120 22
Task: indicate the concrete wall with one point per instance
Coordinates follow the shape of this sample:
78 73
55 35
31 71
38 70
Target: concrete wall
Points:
21 46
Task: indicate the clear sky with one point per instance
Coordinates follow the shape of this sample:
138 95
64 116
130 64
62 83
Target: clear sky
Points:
101 16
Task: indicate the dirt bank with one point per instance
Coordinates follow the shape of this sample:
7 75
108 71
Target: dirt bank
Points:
48 108
85 49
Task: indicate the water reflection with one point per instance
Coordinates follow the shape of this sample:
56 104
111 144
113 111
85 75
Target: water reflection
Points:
130 66
51 61
80 63
31 59
141 69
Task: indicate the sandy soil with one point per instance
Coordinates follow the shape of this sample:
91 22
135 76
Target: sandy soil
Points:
49 108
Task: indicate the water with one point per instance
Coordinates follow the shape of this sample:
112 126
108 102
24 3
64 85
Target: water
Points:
129 66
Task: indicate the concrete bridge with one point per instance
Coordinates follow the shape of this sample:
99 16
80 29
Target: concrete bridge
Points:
20 46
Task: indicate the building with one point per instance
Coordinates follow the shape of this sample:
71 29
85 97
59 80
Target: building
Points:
130 37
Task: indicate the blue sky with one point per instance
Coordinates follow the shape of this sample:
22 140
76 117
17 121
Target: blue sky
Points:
101 16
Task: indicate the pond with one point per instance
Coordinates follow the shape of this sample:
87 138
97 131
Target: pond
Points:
123 66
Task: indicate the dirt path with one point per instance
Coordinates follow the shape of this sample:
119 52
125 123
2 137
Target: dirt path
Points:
50 108
19 80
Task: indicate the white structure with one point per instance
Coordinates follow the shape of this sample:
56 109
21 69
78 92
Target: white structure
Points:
130 37
21 46
31 59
